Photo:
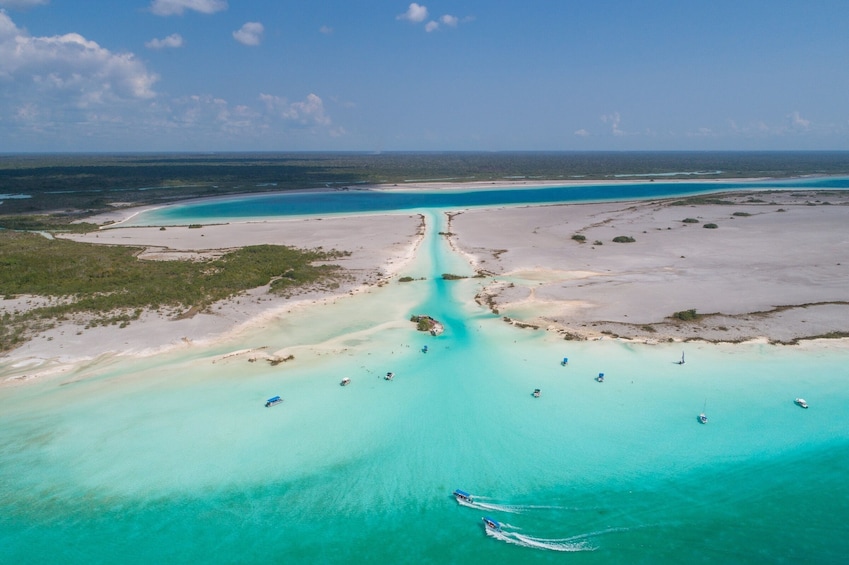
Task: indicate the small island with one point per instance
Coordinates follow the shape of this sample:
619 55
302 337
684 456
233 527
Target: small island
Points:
427 324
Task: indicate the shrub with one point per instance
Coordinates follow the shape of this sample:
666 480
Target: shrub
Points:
690 221
452 277
405 279
742 214
580 238
623 239
686 315
710 226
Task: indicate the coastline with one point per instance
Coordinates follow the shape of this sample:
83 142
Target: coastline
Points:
773 271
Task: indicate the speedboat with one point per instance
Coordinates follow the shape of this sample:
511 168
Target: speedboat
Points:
600 377
536 393
462 496
345 382
273 401
389 376
801 402
702 418
491 525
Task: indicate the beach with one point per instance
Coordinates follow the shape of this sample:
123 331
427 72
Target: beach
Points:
775 268
152 442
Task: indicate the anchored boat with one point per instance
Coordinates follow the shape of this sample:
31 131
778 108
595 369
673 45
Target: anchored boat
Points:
345 382
273 401
801 402
536 393
389 376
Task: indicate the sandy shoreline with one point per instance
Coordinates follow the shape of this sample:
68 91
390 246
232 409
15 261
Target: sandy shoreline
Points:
775 268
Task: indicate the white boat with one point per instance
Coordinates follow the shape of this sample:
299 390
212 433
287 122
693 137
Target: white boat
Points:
801 402
703 416
345 382
681 362
462 496
600 377
491 524
536 393
273 401
389 376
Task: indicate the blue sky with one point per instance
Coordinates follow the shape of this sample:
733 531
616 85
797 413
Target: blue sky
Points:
385 75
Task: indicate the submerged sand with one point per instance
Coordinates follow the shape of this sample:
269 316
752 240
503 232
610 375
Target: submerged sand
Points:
776 268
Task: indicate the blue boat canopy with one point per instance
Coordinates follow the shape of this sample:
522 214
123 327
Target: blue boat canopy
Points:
273 399
462 493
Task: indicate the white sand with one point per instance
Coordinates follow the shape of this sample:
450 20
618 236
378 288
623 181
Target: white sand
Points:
742 271
748 264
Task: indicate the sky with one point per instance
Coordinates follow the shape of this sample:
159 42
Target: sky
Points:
387 75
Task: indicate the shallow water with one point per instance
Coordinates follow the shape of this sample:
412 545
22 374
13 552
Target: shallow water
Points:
174 459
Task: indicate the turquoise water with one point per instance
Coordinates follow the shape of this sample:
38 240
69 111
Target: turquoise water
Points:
173 459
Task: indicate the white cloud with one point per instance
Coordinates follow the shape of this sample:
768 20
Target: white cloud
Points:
449 20
431 26
177 7
582 133
69 68
415 13
613 119
22 3
326 30
249 34
308 112
172 41
798 121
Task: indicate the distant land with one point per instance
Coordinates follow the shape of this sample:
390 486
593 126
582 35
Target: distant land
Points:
77 185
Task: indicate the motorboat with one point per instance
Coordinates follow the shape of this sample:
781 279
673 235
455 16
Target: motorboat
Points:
345 382
491 525
462 496
702 418
536 393
389 376
273 401
801 402
600 377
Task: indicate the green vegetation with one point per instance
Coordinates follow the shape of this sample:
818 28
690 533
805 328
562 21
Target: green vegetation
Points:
405 279
741 214
686 315
710 226
109 285
450 277
697 200
623 239
579 238
690 221
45 222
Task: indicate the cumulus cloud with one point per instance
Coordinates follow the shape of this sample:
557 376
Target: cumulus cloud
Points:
798 121
582 132
415 13
431 26
178 7
249 34
172 41
613 119
449 20
310 111
69 66
326 30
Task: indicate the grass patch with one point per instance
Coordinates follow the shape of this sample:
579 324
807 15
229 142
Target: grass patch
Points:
623 239
579 238
686 315
109 284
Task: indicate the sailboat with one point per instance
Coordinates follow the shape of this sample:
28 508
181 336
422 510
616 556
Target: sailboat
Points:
703 416
681 362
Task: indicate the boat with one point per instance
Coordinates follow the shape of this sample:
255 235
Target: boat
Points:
462 496
600 377
536 393
703 416
681 362
424 349
273 401
345 382
565 361
801 402
491 525
389 376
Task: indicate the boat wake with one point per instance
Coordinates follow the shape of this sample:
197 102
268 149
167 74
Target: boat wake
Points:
577 543
509 508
